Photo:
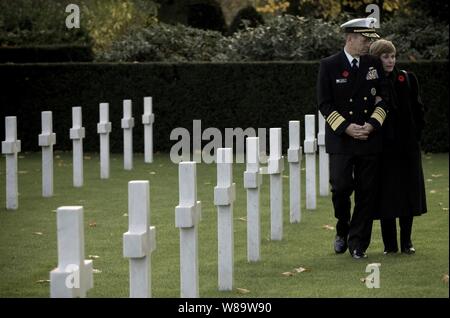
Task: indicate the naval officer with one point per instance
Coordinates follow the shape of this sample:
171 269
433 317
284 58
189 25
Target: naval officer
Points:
352 96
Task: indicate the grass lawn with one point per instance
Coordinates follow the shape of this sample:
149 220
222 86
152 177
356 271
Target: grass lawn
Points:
28 250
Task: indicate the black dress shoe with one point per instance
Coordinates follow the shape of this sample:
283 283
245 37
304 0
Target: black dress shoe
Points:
357 254
409 250
340 244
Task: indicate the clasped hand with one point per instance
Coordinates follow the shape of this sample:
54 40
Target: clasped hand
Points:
359 132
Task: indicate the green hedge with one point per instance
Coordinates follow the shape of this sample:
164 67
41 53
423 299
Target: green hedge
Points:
47 54
221 95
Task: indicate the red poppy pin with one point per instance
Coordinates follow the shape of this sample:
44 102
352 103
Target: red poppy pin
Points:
345 73
401 78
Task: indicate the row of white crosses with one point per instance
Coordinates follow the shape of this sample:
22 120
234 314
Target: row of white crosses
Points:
73 276
47 139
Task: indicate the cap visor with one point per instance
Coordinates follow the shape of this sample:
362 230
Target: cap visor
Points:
371 35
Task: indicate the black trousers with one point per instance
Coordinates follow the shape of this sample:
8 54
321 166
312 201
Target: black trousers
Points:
389 233
358 174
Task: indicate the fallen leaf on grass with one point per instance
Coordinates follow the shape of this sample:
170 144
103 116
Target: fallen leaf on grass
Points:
328 227
92 224
93 256
38 233
287 274
43 281
302 269
242 218
436 175
125 214
362 280
445 278
242 290
429 180
432 191
152 172
54 211
96 271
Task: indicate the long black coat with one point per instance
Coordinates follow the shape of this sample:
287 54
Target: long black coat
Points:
402 190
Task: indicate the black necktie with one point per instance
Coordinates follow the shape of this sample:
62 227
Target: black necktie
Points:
355 65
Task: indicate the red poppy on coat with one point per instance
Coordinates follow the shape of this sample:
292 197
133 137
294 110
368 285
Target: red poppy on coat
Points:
345 73
401 78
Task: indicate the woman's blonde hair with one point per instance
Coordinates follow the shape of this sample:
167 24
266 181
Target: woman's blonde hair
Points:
381 46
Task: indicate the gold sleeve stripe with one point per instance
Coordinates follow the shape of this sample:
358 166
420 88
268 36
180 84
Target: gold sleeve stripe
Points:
381 111
379 115
332 117
331 122
335 120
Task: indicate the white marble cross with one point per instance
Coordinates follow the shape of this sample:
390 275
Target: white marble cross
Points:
10 148
295 159
140 240
310 147
46 140
103 129
224 196
324 166
74 275
127 125
148 118
77 134
187 216
275 169
252 182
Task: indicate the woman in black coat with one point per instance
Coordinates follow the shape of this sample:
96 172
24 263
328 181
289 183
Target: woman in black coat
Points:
402 193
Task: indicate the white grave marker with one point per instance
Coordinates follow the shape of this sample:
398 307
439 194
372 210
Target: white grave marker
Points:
46 140
275 170
103 129
187 216
224 196
310 147
140 240
10 148
127 125
295 159
77 134
74 275
148 118
324 166
252 182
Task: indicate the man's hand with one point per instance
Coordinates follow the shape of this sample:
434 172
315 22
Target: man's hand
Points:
368 127
358 132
